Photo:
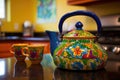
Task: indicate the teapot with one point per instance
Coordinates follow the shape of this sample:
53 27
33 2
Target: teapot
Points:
77 49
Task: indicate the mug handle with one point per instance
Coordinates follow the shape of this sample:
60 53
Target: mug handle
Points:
23 53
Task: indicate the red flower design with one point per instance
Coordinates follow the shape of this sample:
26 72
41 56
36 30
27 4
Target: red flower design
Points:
77 51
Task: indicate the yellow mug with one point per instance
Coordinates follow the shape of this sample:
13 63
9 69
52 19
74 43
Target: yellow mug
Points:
34 53
16 50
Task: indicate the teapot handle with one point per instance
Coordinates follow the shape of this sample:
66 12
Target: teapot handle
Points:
87 13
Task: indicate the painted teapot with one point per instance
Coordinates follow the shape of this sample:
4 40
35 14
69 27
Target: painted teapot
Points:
78 49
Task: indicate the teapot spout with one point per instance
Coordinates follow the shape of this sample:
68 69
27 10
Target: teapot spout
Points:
54 40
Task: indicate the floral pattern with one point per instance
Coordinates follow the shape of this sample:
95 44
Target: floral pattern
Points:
79 51
76 51
18 52
79 33
80 55
35 53
77 65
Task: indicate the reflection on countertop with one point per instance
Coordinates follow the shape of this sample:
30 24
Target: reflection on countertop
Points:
13 70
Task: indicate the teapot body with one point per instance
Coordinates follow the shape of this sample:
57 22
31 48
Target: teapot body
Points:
77 49
81 54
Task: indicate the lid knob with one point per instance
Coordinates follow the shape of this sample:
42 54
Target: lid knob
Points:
79 25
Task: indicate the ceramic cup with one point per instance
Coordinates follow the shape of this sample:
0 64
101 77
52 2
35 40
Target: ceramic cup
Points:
16 50
34 53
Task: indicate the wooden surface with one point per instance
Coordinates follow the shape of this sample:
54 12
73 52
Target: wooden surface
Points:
89 2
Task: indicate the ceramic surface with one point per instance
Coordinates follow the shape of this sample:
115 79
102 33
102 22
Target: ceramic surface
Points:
16 50
80 55
78 49
34 53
